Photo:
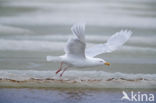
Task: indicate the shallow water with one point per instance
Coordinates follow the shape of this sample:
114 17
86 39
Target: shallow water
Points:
31 30
66 96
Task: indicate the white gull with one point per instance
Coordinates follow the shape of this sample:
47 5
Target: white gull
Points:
77 55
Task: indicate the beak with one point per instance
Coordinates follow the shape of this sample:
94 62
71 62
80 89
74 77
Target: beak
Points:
107 63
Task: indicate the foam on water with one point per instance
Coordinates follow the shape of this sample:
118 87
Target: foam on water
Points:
102 37
59 18
74 78
71 79
48 13
30 45
136 40
13 30
35 45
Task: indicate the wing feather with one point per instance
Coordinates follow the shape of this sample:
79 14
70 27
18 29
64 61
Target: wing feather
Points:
113 43
76 46
78 30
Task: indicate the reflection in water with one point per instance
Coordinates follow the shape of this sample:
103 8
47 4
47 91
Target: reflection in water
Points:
63 96
76 95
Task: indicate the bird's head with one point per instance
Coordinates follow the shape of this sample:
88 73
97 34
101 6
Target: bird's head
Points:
102 62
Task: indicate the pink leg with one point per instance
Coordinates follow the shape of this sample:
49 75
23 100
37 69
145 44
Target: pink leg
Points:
63 71
59 68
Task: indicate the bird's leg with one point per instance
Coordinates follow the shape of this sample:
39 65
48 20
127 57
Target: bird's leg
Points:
63 71
59 68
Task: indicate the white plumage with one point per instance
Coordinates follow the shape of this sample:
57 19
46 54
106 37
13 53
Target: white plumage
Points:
77 55
113 43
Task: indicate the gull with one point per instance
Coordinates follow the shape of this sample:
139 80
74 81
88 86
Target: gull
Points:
77 55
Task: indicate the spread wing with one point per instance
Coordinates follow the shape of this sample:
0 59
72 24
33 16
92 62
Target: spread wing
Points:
113 43
76 46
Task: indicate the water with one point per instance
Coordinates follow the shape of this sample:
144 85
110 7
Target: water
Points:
31 30
67 96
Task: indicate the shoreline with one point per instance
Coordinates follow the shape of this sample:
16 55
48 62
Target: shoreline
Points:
86 89
75 79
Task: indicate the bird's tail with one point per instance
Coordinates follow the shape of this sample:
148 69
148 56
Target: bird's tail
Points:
53 58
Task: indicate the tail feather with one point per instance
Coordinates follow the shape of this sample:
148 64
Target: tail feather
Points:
53 58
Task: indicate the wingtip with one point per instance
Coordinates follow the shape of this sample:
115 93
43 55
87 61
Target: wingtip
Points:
83 24
79 24
79 30
129 32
